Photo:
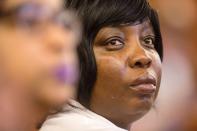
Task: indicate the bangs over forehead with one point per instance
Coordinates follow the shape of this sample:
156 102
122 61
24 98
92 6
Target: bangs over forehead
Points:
99 13
118 12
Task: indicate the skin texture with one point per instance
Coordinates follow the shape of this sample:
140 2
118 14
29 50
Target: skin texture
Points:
124 54
29 56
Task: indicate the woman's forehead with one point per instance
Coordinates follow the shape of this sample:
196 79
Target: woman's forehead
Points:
9 4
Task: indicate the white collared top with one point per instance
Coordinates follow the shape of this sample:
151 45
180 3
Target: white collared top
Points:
76 117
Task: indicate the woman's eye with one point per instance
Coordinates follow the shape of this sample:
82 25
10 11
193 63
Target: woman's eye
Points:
28 22
114 44
28 16
149 42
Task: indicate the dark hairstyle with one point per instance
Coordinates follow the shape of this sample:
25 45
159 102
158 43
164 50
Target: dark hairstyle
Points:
97 14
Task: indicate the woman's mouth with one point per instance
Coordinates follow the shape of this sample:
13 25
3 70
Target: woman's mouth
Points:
66 74
144 86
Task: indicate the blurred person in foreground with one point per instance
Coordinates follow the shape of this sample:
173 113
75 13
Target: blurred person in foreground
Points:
38 61
120 60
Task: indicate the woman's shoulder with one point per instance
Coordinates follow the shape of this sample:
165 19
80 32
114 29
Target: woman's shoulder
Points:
75 117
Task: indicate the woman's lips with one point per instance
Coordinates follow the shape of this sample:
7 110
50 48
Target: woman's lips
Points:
145 85
66 74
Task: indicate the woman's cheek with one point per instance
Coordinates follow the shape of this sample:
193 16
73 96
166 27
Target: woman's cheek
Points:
110 67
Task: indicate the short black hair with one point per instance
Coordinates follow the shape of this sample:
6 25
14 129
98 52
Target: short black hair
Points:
96 14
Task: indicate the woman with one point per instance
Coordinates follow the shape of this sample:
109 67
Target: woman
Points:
38 63
120 60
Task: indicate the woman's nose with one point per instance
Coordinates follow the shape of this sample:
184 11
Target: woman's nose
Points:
140 59
141 62
58 40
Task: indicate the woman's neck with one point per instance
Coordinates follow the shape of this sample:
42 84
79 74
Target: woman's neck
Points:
17 113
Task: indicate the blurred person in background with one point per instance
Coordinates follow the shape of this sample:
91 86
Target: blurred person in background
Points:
38 61
120 60
177 95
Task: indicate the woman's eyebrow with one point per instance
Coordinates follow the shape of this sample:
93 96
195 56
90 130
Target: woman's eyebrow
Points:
108 32
146 28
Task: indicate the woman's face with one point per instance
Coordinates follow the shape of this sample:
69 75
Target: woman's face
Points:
129 73
37 53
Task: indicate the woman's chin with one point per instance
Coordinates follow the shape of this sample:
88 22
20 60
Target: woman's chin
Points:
57 96
141 107
144 102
